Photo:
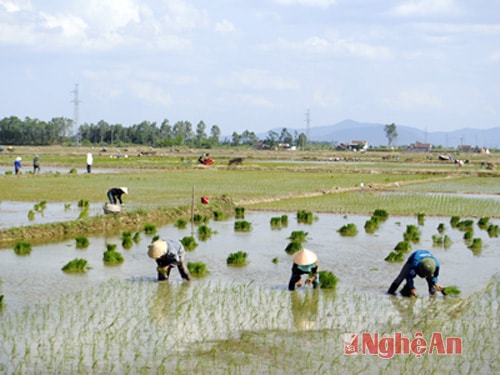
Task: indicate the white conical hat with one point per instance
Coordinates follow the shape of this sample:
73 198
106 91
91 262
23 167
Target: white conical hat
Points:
124 189
157 249
304 257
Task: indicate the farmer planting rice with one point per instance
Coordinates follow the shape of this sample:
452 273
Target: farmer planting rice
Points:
304 262
115 194
423 264
168 254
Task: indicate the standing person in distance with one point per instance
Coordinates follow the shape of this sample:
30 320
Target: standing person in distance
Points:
90 161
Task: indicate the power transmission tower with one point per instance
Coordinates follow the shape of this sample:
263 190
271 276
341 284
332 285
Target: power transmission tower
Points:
308 124
76 103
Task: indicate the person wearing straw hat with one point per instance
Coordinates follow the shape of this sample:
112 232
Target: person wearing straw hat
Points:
168 254
115 194
304 262
17 165
423 264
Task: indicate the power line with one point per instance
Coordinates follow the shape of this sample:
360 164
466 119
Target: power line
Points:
308 124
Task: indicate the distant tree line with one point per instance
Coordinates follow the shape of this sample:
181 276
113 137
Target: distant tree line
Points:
14 131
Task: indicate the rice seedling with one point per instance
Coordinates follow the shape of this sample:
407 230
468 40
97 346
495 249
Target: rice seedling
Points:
454 221
200 219
82 242
465 225
67 206
218 215
239 212
476 246
31 215
238 258
451 290
284 220
371 225
76 265
305 217
327 280
189 243
444 241
2 303
394 256
22 248
493 230
150 228
380 214
403 246
298 236
275 260
348 230
127 240
293 247
83 203
421 219
181 223
275 222
137 237
412 234
441 228
84 213
468 236
73 171
242 226
197 269
205 232
111 257
483 222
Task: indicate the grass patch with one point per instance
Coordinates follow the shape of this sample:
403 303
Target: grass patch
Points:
22 248
197 269
82 242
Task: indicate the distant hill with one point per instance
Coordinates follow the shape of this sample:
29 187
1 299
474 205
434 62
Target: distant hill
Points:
349 130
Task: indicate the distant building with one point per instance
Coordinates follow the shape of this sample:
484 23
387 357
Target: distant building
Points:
419 147
468 148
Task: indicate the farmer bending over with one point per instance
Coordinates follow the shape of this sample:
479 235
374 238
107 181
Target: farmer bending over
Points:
304 262
168 254
423 264
115 194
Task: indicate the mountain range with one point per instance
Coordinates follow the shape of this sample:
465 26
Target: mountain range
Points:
349 130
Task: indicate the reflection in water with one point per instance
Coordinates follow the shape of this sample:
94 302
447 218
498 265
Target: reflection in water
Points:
305 308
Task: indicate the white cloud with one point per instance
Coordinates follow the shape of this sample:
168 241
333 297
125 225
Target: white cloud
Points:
224 26
310 3
69 25
327 99
413 100
150 93
254 101
181 15
425 8
16 6
256 79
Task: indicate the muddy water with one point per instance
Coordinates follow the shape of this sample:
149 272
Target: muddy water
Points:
357 261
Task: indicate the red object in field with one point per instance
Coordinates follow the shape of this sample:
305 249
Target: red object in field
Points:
204 199
208 161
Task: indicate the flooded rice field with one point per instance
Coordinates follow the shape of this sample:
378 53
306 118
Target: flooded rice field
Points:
357 261
242 320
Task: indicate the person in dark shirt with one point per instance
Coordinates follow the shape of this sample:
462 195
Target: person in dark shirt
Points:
115 194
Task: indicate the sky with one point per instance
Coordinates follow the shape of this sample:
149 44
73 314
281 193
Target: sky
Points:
253 64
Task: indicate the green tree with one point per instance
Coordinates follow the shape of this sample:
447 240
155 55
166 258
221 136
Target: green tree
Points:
301 140
391 132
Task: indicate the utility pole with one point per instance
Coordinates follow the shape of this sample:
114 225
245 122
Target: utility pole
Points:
308 124
76 102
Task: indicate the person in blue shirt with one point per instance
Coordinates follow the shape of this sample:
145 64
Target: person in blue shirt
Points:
304 262
423 264
17 165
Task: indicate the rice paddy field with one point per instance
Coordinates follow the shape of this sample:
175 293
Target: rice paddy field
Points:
120 320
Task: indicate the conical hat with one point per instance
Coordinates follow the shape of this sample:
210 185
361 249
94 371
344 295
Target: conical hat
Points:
157 249
304 257
124 189
427 267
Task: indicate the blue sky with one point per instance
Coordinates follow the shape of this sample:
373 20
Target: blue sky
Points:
254 64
